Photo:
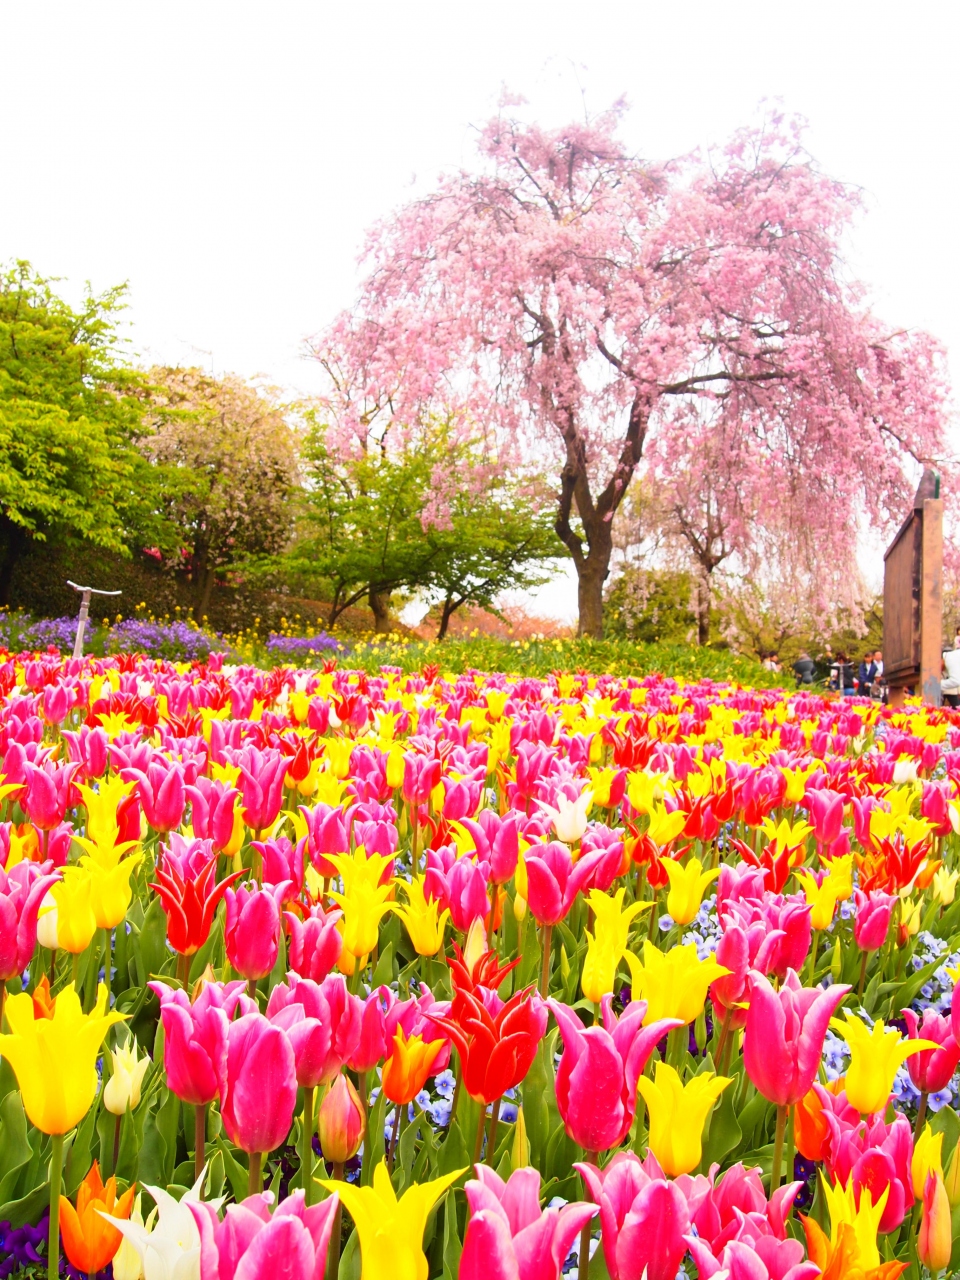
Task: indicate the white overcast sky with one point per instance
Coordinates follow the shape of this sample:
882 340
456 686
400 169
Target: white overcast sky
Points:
225 158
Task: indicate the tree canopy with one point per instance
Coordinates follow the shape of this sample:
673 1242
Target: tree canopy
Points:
571 295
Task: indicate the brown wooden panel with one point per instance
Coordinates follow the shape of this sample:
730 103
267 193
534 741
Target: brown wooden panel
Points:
931 619
901 602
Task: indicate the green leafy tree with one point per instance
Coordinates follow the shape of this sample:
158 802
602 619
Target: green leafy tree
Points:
367 529
68 415
226 462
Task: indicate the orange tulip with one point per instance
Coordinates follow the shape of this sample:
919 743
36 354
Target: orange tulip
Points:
43 1002
840 1259
88 1240
809 1124
406 1070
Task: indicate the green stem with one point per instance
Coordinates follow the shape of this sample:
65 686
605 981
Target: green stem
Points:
589 1157
478 1145
777 1165
107 962
863 976
921 1115
791 1121
255 1180
306 1146
76 970
546 938
53 1239
492 1134
333 1252
199 1142
813 956
117 1124
393 1137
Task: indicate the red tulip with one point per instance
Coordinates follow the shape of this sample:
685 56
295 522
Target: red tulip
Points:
495 1052
190 903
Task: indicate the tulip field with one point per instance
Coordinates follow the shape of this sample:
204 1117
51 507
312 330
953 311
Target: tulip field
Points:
321 973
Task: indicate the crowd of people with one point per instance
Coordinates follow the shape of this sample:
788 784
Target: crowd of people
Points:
865 679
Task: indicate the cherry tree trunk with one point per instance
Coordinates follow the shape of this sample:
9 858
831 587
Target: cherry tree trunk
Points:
703 610
592 571
380 607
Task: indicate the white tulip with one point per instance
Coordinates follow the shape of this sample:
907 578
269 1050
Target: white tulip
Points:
169 1245
47 924
570 816
123 1087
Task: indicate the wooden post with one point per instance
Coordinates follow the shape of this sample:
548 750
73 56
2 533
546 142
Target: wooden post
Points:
931 602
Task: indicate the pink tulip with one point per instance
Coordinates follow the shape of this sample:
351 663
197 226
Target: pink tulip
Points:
259 1088
932 1069
212 811
461 797
22 890
763 1259
322 1021
372 1045
87 748
281 863
741 950
420 775
788 917
326 835
162 792
784 1035
252 929
599 1068
553 881
497 841
872 923
195 1037
313 944
261 786
508 1236
417 1016
48 793
826 813
253 1244
466 893
736 1206
875 1155
644 1218
935 807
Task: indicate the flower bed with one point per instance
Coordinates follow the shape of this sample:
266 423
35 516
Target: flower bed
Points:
529 976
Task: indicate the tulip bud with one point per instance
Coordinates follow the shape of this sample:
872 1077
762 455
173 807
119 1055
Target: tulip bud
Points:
476 944
836 962
340 1122
47 924
952 1178
520 1151
935 1241
926 1159
519 908
123 1087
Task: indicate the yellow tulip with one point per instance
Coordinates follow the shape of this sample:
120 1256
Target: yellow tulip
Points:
395 765
875 1055
665 827
840 874
55 1059
673 983
122 1090
607 945
945 886
911 913
687 886
101 806
821 898
786 836
862 1219
677 1114
76 921
111 891
927 1158
337 754
424 920
391 1230
601 781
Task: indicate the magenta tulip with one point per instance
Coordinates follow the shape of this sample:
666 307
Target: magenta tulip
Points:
212 811
872 922
875 1155
826 813
252 929
553 881
47 796
599 1068
932 1069
253 1244
322 1021
259 1088
784 1035
22 890
508 1236
313 944
195 1037
643 1217
162 791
